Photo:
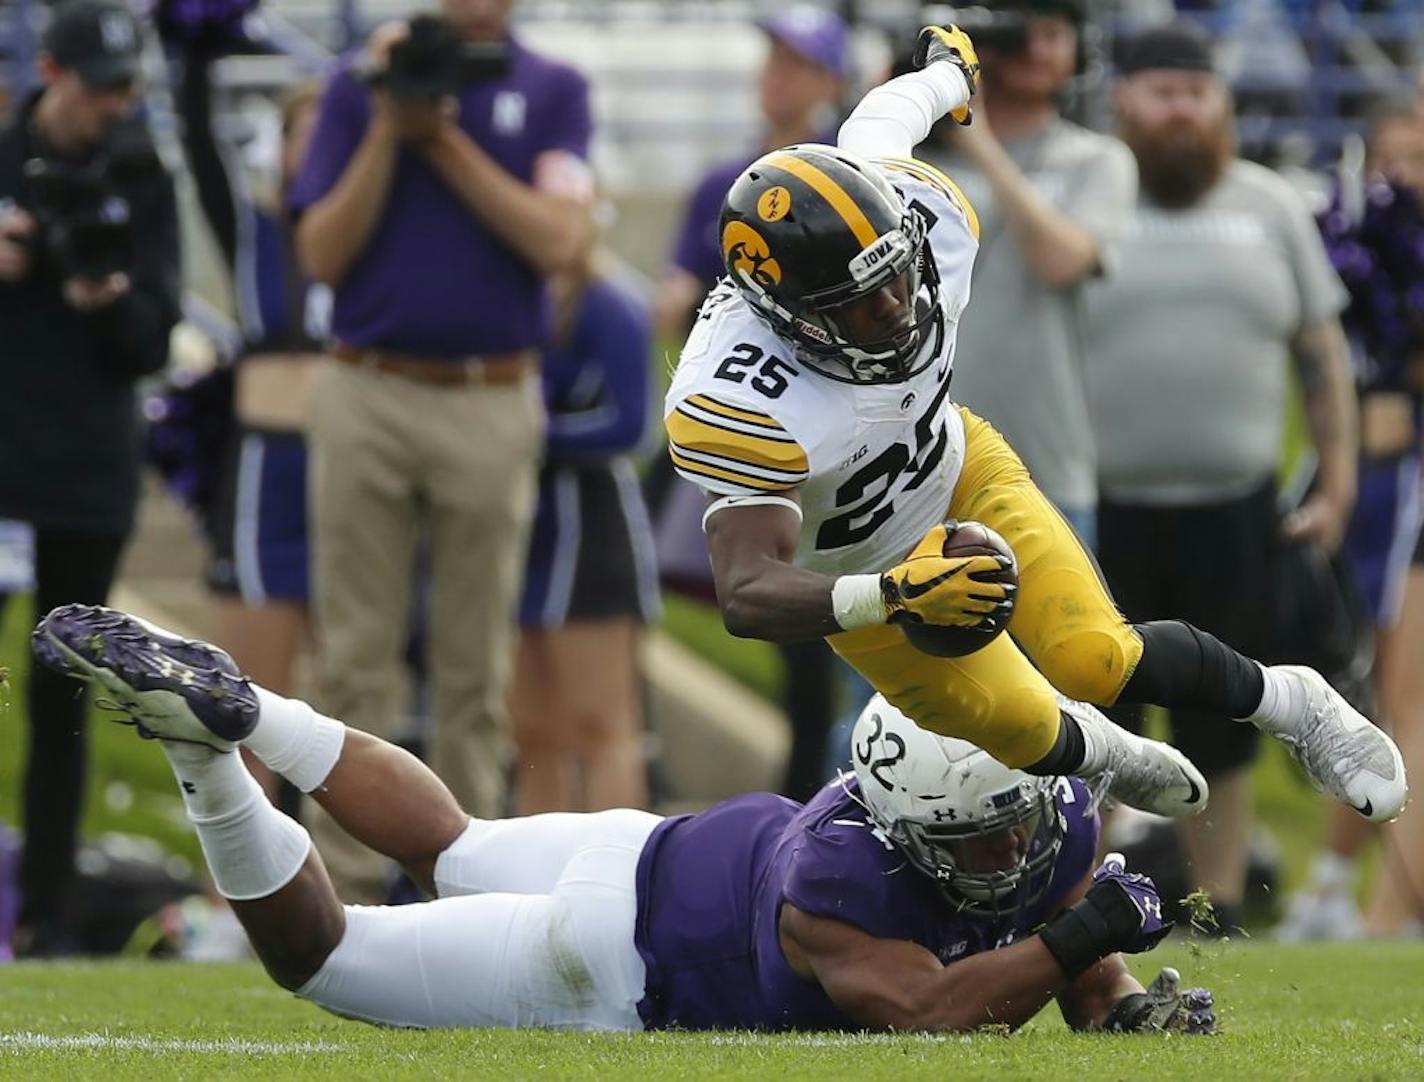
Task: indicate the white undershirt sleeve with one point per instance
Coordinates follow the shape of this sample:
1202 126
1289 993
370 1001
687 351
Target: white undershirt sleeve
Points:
895 117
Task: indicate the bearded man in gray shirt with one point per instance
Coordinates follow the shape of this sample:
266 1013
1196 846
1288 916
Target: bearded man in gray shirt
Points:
1049 195
1222 281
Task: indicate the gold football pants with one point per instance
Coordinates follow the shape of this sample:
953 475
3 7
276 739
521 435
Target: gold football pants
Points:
1063 620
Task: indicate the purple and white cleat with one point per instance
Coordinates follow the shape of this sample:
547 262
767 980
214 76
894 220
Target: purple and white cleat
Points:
173 688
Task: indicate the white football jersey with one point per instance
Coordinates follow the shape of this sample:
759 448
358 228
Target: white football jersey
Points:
874 465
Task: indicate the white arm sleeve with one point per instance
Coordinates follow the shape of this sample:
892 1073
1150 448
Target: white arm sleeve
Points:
894 117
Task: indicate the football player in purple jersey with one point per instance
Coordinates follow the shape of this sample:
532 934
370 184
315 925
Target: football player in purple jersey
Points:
933 888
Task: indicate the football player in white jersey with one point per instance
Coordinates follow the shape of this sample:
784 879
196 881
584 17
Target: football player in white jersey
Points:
811 405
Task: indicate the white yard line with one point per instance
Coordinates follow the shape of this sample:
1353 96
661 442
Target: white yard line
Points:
839 1040
230 1046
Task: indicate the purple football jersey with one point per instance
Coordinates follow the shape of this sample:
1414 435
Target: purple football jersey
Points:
433 279
711 887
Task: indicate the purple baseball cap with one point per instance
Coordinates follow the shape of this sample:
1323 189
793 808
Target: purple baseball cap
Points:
817 34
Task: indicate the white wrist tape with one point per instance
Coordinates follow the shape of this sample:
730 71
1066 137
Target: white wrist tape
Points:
856 601
748 501
894 117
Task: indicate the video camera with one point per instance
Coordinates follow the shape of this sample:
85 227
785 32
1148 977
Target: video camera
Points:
1004 30
1003 26
433 61
84 222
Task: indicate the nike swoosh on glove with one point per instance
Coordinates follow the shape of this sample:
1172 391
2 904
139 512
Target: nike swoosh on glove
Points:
951 45
949 591
1165 1007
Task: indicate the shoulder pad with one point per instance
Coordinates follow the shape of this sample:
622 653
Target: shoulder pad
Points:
931 177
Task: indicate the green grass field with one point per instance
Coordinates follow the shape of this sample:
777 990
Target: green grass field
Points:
1340 1012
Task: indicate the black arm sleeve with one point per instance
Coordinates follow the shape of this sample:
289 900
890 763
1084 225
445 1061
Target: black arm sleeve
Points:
134 329
210 176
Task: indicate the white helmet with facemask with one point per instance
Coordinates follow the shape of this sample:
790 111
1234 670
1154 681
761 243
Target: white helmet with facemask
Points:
986 833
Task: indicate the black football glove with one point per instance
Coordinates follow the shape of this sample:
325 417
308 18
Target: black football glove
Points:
1121 911
952 45
1164 1008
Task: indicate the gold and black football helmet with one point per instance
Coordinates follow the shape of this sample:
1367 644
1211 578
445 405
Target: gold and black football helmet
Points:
807 229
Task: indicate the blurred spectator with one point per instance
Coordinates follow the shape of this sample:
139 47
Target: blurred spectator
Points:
259 567
799 92
88 296
1049 195
442 186
1396 895
800 89
1374 229
1222 279
591 581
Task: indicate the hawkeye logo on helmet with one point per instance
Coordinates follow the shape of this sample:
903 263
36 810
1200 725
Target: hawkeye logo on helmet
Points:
774 204
747 254
874 258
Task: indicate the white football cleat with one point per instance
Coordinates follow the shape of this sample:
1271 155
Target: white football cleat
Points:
1343 752
1141 773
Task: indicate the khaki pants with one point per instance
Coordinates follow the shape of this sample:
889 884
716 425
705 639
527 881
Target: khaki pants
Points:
392 458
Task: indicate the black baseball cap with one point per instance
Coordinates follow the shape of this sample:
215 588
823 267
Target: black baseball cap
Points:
1174 47
100 39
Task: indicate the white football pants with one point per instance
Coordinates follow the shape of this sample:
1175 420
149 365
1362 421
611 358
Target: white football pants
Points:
533 927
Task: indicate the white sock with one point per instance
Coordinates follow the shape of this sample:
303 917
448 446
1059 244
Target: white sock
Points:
252 849
294 740
1282 700
213 782
1099 734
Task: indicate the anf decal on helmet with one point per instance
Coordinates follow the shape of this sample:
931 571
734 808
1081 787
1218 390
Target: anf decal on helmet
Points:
774 204
746 253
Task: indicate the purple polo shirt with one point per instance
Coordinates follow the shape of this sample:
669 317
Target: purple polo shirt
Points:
433 280
696 249
711 887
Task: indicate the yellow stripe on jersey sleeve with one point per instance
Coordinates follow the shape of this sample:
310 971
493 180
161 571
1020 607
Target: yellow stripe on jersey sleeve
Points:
734 413
700 446
697 471
928 174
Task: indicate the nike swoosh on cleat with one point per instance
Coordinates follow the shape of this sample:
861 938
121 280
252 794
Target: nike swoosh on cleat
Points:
1196 792
1366 809
912 590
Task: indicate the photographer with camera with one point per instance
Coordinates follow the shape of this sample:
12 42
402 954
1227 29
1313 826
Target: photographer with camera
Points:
1050 196
88 296
446 180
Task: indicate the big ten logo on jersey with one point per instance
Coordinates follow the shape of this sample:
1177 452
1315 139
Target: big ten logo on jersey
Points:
953 951
866 499
772 376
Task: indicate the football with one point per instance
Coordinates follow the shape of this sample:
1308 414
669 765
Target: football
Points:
964 539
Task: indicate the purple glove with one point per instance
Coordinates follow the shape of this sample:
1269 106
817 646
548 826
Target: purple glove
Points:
1142 893
1119 912
1164 1007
